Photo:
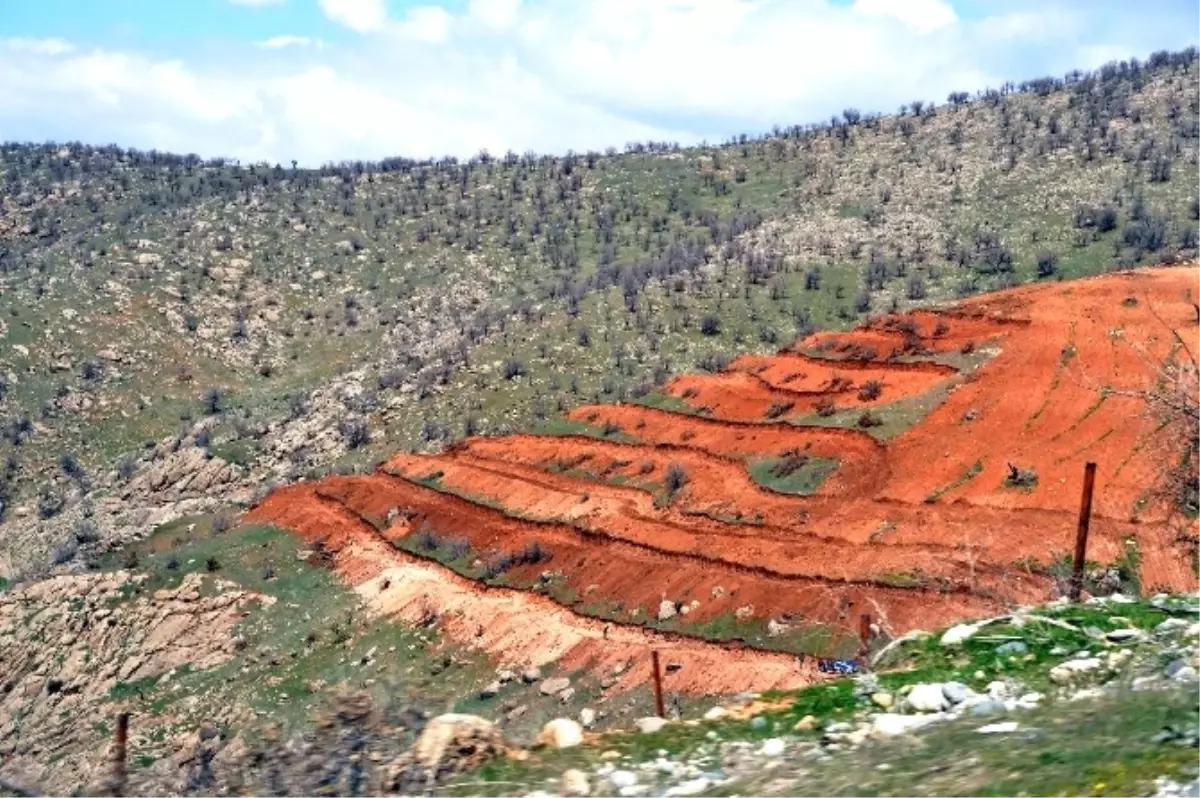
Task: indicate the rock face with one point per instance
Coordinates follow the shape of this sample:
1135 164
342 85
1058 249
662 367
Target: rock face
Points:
94 633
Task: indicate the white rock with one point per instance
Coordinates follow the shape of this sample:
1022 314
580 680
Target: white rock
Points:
690 787
1124 635
649 725
554 685
575 782
666 610
1004 727
927 698
955 635
587 717
622 778
773 747
1069 671
890 725
1193 630
561 733
715 713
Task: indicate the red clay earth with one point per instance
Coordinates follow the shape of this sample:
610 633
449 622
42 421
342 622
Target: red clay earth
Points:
919 531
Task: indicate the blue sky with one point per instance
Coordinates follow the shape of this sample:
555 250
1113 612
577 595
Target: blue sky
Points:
320 80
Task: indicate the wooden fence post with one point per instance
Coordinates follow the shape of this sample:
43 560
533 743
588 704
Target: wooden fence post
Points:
659 705
1081 534
119 755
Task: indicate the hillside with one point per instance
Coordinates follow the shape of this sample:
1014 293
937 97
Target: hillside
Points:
181 335
294 462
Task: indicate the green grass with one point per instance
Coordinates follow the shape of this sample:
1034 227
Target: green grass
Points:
1102 746
775 474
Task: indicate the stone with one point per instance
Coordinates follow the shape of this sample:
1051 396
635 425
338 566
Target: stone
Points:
490 691
1012 648
554 685
587 717
955 692
889 724
452 743
561 733
927 698
532 675
883 700
575 782
622 778
694 786
773 747
1171 625
806 723
715 713
1125 635
758 722
1185 674
1004 727
1069 671
987 707
956 635
650 725
666 610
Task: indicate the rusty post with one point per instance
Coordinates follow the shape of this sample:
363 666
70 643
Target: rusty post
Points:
118 785
1081 534
864 636
659 706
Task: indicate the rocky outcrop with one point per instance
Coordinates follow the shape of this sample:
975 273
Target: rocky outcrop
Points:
71 647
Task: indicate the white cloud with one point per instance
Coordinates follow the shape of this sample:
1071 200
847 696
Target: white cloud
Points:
362 16
427 23
258 3
924 16
498 14
279 42
549 75
39 46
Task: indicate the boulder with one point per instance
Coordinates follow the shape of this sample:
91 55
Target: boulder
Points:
649 725
890 725
554 685
927 698
561 733
1069 671
666 610
575 783
449 744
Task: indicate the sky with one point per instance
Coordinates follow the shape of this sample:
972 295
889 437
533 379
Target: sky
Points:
329 80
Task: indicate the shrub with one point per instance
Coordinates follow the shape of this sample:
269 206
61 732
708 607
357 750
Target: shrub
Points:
870 390
85 531
710 325
213 401
868 419
916 287
677 477
512 368
65 552
1020 477
1047 263
126 467
825 407
93 369
50 502
355 432
212 565
777 409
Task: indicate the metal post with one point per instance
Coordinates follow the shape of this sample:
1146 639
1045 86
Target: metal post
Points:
119 754
1081 534
659 705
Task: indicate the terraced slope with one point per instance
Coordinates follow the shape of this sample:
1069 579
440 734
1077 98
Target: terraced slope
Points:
882 486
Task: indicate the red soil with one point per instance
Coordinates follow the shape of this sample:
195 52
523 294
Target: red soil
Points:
912 531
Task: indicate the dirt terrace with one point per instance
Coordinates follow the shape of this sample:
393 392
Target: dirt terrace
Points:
673 531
